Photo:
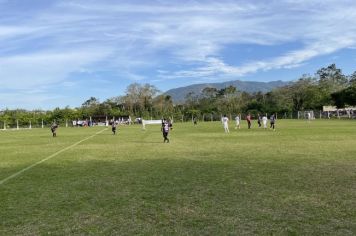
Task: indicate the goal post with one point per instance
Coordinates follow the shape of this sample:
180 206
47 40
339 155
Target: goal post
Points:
307 115
150 122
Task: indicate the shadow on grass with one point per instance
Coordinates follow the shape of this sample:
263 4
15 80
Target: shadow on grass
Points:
174 196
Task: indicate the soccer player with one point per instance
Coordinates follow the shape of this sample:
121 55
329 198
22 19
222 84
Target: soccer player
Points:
248 119
165 130
54 127
272 121
264 121
225 122
259 120
237 119
309 116
113 127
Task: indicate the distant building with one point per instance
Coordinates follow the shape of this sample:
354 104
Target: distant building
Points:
335 109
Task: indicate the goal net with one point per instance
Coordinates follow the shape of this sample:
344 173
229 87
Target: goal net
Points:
308 115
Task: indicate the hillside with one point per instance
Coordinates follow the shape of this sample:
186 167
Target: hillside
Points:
179 94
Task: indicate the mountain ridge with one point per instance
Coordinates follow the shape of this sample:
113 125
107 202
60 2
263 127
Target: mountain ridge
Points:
179 94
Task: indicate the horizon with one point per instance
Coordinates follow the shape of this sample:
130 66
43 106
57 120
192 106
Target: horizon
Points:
61 53
159 93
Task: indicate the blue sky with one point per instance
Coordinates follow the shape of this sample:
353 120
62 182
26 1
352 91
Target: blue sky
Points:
58 53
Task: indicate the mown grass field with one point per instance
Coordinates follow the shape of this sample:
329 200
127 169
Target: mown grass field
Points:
298 180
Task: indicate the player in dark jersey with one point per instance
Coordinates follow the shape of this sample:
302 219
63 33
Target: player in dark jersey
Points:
165 130
54 127
248 119
259 119
272 121
113 127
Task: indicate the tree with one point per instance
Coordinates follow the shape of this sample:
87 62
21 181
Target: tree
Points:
279 100
138 98
227 100
305 94
209 92
345 97
331 80
163 104
92 101
147 93
352 79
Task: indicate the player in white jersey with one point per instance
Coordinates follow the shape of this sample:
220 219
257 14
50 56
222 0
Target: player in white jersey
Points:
225 122
264 121
237 119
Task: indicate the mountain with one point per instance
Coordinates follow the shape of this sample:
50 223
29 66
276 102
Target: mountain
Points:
179 94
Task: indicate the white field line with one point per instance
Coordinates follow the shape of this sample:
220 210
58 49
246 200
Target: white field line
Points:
47 158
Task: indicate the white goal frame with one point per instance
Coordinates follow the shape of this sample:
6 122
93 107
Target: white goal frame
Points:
150 122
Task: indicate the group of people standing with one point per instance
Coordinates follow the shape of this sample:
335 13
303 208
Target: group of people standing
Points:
260 120
165 128
167 125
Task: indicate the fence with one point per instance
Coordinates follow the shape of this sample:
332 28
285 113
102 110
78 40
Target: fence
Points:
28 124
205 117
280 115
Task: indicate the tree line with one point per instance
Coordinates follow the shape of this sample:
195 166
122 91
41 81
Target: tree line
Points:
328 86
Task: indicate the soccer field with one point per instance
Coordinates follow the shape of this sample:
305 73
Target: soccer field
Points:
298 180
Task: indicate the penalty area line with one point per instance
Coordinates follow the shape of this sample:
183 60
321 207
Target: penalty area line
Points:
47 158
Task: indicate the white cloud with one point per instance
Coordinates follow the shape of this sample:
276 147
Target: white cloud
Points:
155 8
216 67
36 100
185 39
318 29
44 68
10 31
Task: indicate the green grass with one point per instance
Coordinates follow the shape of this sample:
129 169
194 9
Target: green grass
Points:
299 180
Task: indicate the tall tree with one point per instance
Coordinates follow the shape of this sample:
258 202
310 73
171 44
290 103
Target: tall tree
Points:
92 101
139 97
304 93
345 97
331 79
